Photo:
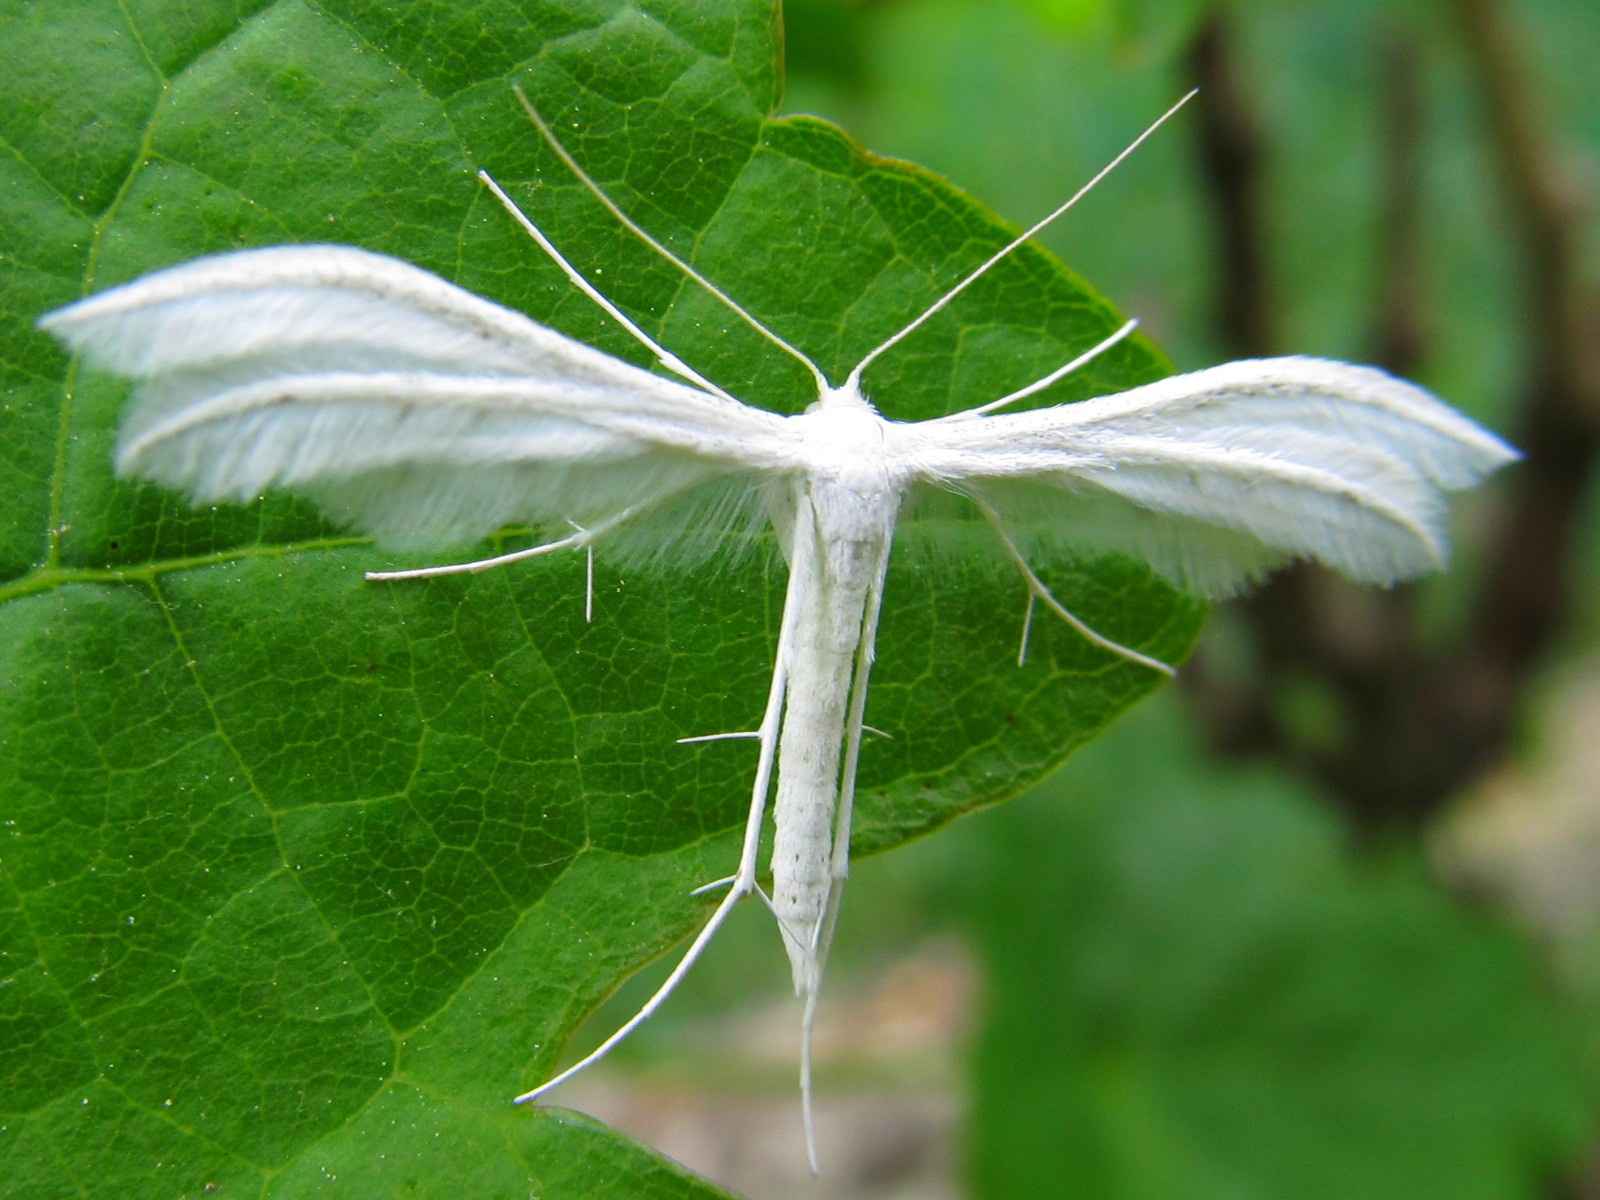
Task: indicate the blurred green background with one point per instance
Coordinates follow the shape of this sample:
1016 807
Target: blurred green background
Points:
1321 922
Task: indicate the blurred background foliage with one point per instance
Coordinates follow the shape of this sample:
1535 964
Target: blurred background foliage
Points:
1323 921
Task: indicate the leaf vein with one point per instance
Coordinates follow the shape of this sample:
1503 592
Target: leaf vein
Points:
192 666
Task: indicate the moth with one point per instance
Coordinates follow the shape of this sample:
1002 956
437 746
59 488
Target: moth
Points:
421 413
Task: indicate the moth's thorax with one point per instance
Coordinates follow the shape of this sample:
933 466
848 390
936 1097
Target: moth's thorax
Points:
846 443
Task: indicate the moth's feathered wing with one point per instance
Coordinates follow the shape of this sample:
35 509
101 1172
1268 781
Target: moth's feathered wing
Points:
1218 476
416 410
425 414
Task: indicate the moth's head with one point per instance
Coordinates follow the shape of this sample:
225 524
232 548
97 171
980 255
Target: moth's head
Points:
846 396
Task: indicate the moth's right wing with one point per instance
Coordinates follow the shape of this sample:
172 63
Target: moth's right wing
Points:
1219 476
419 412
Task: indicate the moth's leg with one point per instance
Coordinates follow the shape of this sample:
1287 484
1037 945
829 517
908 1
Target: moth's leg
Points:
582 538
744 878
690 957
742 884
481 564
808 1022
1027 628
638 231
767 733
588 584
718 884
741 735
1061 372
588 574
822 942
866 649
1037 588
785 929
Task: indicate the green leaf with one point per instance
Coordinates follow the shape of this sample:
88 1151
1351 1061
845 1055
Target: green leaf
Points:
302 877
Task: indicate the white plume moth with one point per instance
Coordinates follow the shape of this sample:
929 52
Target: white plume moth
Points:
418 411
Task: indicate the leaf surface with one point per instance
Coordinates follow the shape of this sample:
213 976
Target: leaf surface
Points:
302 877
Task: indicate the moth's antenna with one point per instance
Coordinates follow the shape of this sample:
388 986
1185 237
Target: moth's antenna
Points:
855 375
638 231
664 356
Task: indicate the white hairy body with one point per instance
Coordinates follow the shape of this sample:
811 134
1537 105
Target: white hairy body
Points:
422 413
839 538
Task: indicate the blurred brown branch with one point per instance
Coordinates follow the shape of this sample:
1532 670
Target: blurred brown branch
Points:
1529 593
1416 720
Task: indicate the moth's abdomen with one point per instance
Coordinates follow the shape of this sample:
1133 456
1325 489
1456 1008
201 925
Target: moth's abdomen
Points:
840 536
808 790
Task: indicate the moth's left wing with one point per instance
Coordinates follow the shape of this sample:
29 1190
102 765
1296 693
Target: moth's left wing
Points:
402 403
1218 476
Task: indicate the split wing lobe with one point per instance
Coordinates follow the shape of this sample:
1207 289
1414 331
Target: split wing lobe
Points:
1219 476
414 409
